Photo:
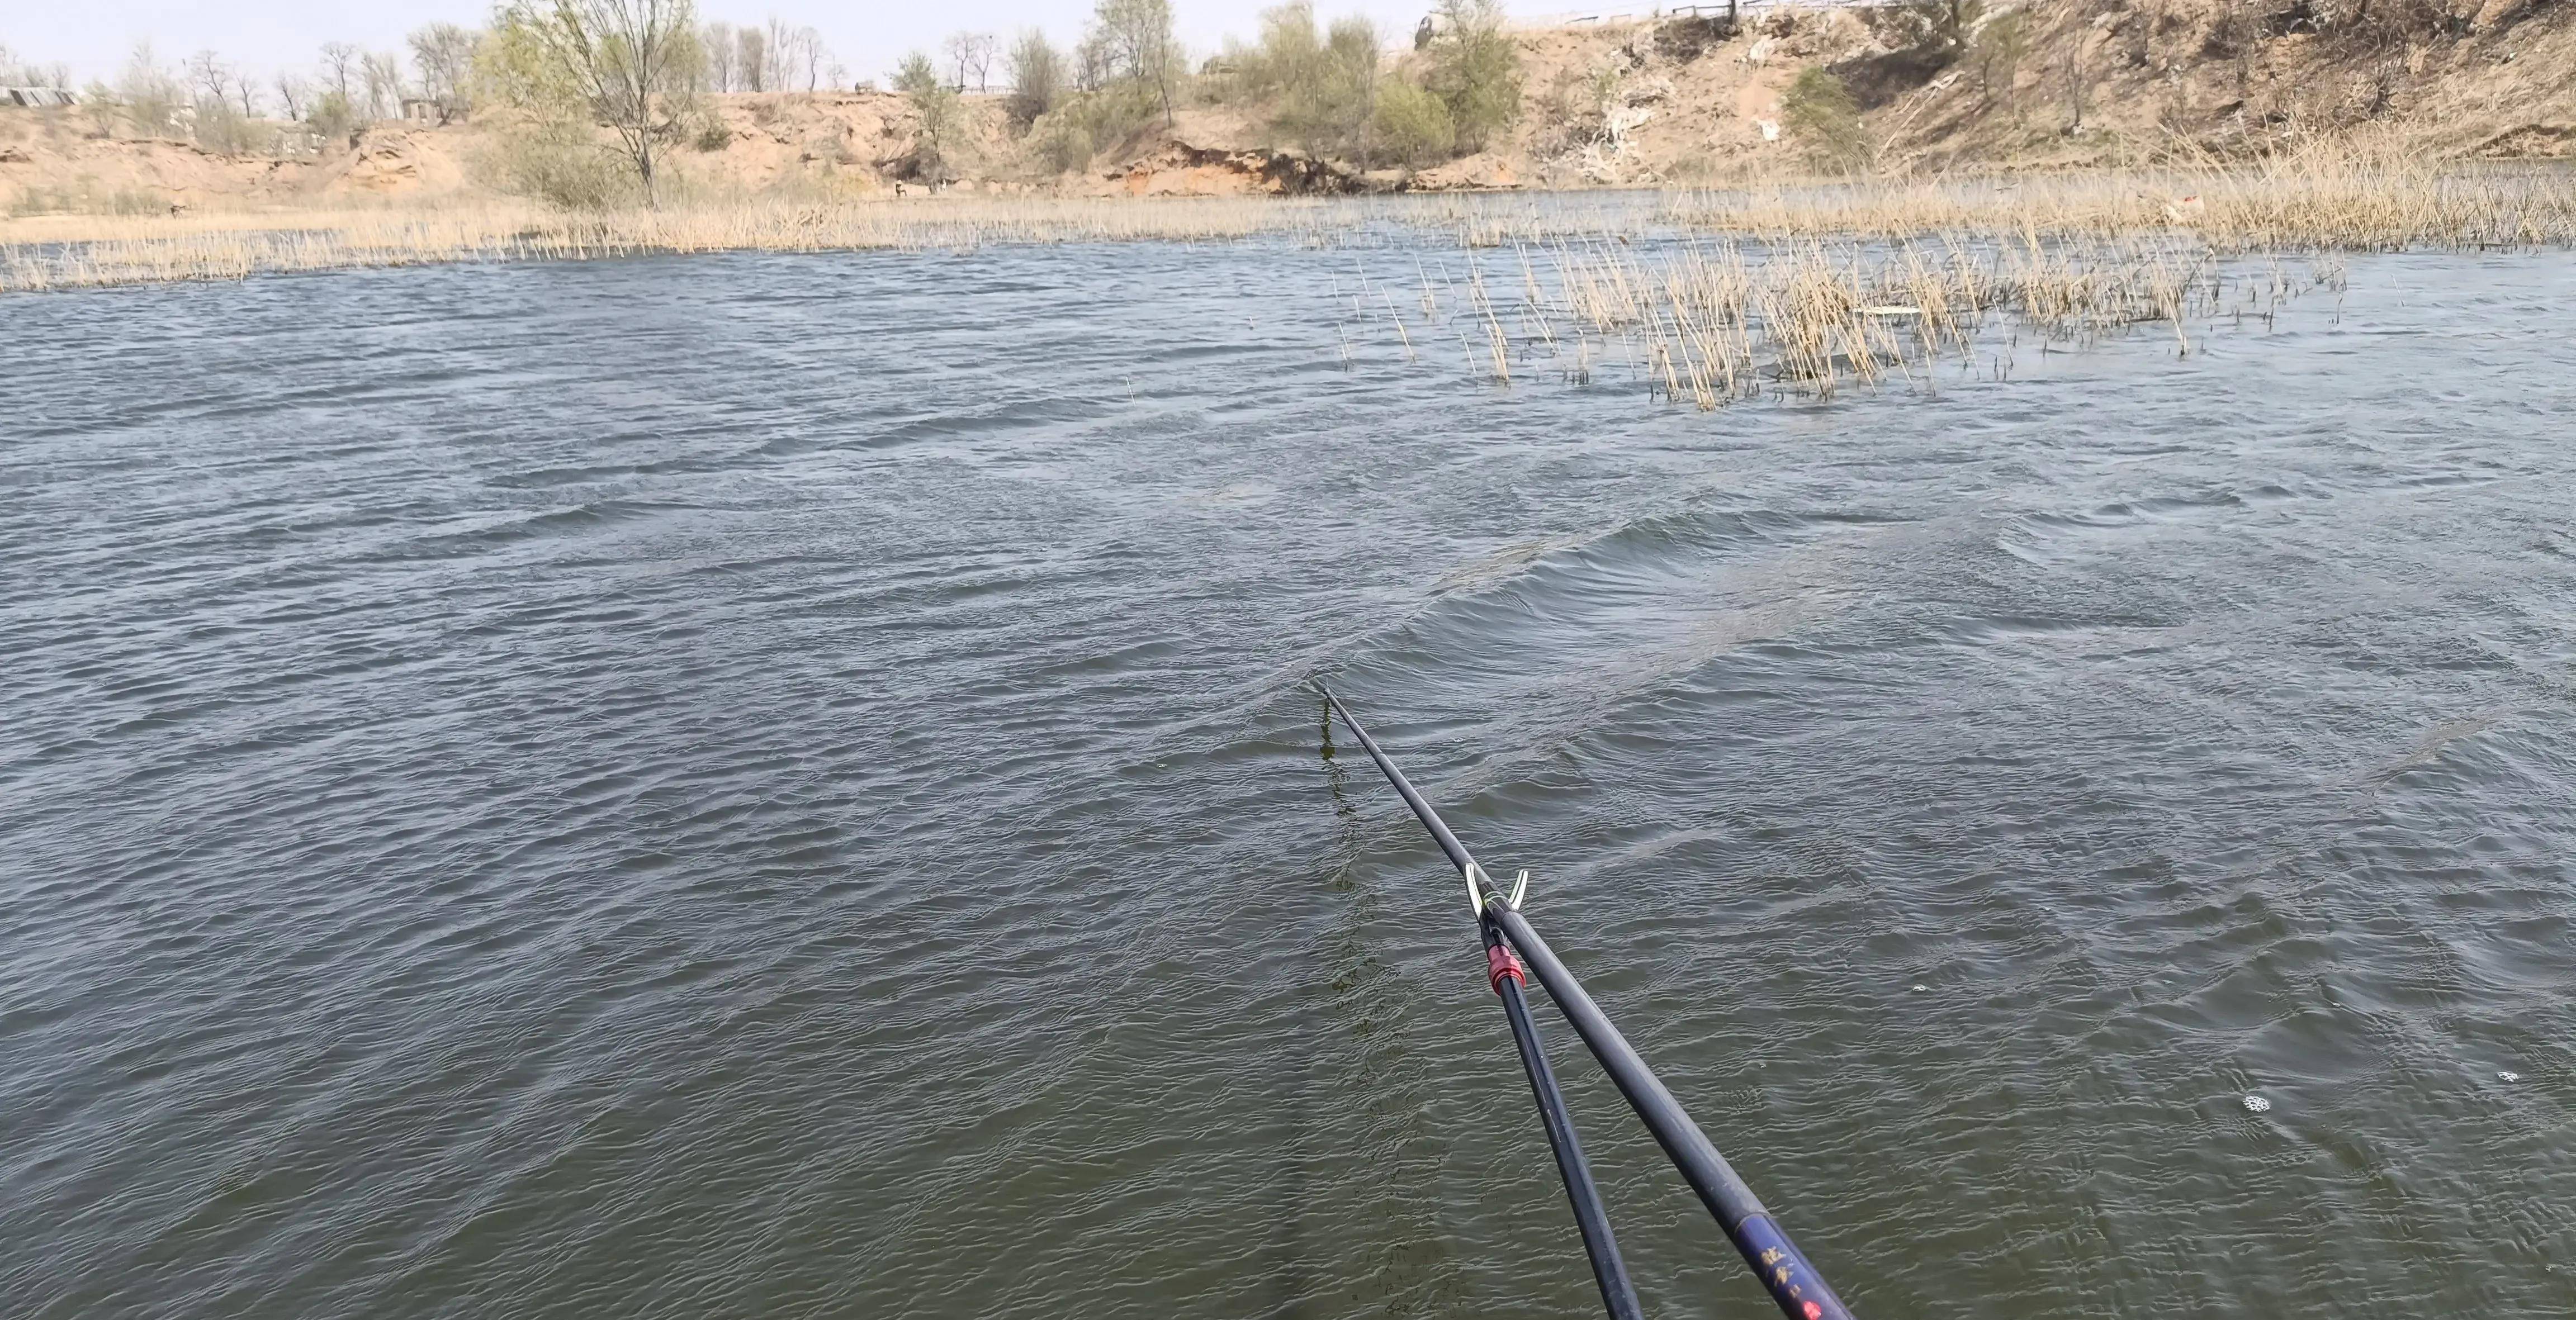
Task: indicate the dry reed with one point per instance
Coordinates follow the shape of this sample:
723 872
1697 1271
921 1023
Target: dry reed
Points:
92 251
1712 321
2324 200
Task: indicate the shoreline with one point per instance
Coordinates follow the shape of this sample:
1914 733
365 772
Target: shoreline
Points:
2323 201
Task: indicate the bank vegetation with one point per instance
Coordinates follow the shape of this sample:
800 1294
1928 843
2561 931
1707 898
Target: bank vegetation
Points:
2331 199
573 128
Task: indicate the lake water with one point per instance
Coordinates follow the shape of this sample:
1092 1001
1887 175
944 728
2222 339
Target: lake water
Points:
790 786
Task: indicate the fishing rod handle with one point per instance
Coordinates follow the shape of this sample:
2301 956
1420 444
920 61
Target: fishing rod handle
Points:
1801 1292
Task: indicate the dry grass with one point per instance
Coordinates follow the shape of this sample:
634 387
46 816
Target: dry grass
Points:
2324 200
2327 199
1799 292
68 252
1709 322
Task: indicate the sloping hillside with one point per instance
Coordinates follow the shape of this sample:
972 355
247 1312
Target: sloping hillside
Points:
2078 82
2093 84
828 142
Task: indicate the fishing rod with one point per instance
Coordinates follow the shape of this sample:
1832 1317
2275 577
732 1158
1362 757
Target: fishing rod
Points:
1590 1219
1507 974
1801 1292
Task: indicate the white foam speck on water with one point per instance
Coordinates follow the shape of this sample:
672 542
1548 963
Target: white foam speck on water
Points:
2508 1077
2255 1104
1919 989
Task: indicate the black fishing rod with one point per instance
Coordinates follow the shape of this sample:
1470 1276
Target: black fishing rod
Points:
1793 1283
1590 1219
1507 974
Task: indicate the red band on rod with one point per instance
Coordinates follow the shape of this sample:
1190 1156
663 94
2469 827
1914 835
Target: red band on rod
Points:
1501 962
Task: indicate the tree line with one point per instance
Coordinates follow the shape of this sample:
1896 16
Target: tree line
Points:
226 108
1324 89
558 72
444 68
18 72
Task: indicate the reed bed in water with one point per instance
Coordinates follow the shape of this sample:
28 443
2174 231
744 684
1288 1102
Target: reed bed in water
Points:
91 251
2322 200
1715 321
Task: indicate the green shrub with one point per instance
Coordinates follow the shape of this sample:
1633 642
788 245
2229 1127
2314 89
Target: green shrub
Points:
99 104
1114 114
1061 142
151 97
1412 125
1037 77
334 118
1475 71
935 138
1998 49
221 129
1130 44
560 164
1574 111
1086 123
1332 106
1821 115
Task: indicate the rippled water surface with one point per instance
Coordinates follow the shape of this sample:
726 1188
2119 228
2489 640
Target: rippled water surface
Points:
790 786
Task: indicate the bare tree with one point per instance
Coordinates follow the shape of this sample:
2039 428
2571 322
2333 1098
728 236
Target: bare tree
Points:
751 59
222 85
152 98
1094 68
1037 76
718 43
293 94
384 85
972 54
815 53
209 77
444 55
795 54
631 63
339 60
2241 37
2079 80
780 40
16 72
98 102
1137 37
223 106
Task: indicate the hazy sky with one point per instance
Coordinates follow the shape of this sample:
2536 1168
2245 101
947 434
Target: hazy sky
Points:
868 36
